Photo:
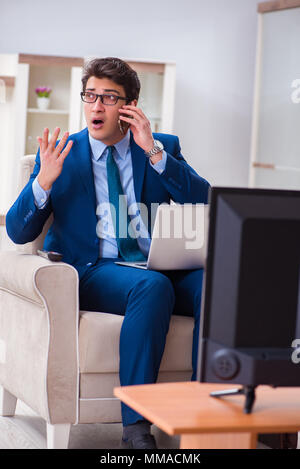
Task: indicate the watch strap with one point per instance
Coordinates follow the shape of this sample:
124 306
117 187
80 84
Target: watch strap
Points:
157 148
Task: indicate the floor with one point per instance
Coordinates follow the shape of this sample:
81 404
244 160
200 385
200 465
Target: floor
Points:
26 430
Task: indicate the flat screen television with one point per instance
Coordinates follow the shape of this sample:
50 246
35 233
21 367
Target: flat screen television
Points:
250 319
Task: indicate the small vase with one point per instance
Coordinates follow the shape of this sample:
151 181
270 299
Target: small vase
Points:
43 103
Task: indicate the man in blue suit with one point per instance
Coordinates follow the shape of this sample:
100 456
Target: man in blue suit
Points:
80 179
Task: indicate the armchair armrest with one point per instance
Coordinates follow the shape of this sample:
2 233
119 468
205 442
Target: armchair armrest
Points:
22 274
39 334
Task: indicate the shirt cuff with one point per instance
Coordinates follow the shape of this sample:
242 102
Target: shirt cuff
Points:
40 195
160 166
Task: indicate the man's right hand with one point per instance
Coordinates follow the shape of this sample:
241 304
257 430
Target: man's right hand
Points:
52 159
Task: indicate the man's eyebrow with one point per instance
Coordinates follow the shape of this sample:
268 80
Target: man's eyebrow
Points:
114 91
106 90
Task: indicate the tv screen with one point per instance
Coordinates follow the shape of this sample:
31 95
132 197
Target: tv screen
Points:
250 305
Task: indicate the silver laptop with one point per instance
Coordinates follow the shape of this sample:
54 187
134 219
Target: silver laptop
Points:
179 238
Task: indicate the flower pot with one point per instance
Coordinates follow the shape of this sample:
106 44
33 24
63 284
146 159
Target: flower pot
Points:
43 103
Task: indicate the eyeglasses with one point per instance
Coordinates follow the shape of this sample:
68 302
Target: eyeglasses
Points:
106 99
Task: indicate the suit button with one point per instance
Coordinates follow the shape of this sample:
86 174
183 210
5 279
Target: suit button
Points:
90 263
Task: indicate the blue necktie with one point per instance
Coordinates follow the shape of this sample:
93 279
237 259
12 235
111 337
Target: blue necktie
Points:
127 245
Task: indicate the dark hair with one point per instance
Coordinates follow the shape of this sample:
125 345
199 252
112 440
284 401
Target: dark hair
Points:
116 70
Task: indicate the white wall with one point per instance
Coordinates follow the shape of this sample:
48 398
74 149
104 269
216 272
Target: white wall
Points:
213 43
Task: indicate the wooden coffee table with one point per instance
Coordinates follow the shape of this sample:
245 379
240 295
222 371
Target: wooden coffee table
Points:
203 421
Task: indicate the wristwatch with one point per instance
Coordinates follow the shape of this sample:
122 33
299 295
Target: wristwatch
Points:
157 148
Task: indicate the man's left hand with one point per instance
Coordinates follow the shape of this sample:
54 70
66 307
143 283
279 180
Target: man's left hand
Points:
139 126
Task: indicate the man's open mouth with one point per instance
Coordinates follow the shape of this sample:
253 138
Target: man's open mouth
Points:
97 123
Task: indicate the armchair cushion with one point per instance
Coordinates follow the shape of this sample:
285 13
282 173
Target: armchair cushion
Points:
99 335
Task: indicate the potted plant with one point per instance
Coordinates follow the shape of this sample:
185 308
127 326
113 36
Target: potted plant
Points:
43 97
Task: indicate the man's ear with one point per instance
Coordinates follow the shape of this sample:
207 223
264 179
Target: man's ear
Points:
133 102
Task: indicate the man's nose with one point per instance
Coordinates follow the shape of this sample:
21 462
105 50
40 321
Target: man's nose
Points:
97 105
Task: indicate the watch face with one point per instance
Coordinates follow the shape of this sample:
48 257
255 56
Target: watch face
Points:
158 144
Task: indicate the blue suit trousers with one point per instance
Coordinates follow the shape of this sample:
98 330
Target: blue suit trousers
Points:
146 299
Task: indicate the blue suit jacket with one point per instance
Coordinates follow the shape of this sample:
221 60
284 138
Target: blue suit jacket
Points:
73 199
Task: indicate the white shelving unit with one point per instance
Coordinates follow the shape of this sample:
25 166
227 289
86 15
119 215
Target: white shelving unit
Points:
62 111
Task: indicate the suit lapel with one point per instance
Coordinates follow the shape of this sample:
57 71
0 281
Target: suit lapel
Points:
139 159
83 163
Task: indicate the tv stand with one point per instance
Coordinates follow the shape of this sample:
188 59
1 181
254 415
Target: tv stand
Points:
248 391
